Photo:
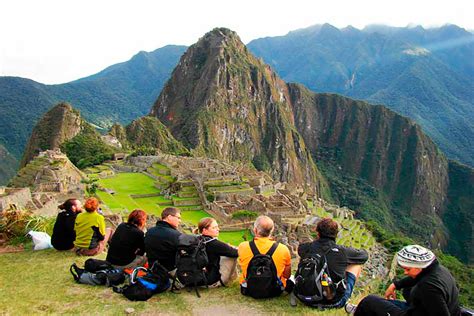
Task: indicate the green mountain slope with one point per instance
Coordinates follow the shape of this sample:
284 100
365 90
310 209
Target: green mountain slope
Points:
427 75
119 93
8 165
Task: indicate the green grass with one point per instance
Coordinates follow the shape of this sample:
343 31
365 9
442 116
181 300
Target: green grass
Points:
193 217
130 183
235 237
125 184
39 282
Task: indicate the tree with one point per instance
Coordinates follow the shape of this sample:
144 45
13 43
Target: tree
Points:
91 186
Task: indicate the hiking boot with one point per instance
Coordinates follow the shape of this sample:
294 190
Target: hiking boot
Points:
350 308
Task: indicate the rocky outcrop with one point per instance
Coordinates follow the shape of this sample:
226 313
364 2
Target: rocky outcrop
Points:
224 103
388 150
58 125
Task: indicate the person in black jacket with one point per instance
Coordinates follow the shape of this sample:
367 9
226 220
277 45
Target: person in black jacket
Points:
344 263
221 269
429 288
127 247
161 241
63 232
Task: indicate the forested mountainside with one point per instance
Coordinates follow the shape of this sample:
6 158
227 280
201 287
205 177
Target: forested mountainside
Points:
424 74
120 93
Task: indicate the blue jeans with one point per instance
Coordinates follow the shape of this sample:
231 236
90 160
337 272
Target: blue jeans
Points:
350 282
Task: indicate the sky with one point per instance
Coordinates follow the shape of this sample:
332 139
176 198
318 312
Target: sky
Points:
57 41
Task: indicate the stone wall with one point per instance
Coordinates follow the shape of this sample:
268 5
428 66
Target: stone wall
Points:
15 198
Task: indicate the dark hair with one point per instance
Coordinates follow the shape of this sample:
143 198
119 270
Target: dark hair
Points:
327 227
169 211
67 205
204 223
137 218
91 205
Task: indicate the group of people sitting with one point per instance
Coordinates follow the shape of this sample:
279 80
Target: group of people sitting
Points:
428 289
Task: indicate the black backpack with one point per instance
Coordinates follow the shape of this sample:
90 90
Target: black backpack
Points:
313 284
262 279
191 261
107 277
155 280
94 265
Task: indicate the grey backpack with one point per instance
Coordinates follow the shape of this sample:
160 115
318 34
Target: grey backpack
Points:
107 277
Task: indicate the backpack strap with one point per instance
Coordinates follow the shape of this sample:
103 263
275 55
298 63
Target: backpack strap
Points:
270 252
272 249
254 248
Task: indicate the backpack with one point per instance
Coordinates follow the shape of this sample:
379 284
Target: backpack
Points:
191 261
262 279
107 277
313 284
155 280
94 265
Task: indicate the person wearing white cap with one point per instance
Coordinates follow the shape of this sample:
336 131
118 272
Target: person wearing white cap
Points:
429 289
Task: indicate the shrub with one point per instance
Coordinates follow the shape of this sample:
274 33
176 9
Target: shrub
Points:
17 223
85 150
244 215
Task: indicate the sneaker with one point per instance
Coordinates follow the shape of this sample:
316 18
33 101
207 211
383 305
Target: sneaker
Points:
350 308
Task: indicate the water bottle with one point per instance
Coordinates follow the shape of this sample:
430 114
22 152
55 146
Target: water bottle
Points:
328 289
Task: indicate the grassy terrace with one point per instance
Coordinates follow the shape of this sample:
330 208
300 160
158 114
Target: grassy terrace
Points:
126 184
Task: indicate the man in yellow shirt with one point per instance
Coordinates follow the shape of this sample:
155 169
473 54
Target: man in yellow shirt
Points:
260 279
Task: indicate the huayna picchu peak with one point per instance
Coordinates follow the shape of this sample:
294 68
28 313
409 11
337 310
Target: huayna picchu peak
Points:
223 102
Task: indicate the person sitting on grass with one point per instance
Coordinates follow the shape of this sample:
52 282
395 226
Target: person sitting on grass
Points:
428 289
63 231
127 246
161 241
276 259
221 269
344 264
91 234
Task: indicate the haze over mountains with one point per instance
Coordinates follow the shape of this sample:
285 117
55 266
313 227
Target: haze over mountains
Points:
224 103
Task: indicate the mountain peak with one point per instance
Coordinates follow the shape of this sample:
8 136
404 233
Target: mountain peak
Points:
62 122
220 34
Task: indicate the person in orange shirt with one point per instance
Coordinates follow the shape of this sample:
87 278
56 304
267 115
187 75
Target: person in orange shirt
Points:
266 264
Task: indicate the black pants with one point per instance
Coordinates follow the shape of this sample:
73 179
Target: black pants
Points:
374 305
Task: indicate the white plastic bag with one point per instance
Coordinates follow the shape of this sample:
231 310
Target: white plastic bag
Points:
41 240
